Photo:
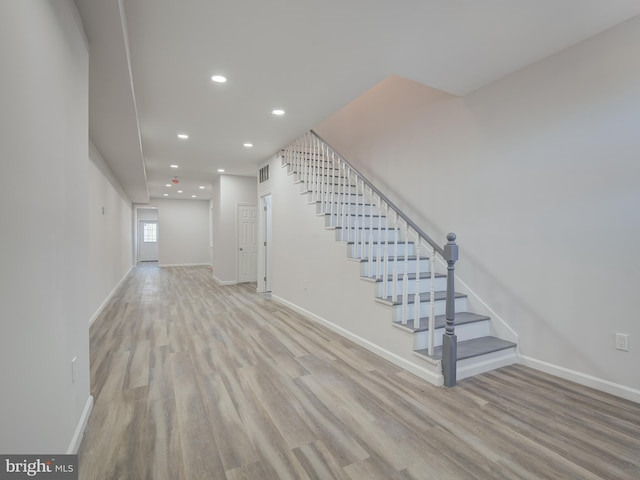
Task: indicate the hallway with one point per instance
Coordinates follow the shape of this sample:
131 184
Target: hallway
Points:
193 380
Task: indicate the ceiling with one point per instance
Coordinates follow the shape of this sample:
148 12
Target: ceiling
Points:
151 63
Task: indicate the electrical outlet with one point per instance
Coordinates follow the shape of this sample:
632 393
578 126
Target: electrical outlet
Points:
622 342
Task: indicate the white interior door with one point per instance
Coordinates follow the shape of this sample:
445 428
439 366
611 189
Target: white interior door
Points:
247 243
148 241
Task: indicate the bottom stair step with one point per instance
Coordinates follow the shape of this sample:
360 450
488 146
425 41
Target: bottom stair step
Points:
473 348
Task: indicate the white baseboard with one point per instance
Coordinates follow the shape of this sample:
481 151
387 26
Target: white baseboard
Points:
430 376
616 389
183 265
224 282
106 300
80 428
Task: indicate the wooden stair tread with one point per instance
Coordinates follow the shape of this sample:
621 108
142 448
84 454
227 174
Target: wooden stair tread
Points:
462 318
472 348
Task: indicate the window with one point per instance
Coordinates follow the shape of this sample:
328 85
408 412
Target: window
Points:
150 232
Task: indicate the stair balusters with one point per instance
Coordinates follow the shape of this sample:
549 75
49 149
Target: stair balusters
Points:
328 177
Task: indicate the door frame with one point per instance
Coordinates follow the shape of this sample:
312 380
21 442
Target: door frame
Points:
135 229
265 243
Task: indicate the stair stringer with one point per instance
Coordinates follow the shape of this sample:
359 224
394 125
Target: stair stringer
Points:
312 276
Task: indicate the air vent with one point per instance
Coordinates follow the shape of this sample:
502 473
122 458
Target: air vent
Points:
264 174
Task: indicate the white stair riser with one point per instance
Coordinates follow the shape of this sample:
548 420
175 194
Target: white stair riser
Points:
311 171
440 284
374 235
324 182
467 331
350 208
368 268
333 219
357 250
328 191
485 363
439 309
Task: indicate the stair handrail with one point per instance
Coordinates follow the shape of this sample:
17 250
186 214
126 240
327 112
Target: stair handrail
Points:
384 198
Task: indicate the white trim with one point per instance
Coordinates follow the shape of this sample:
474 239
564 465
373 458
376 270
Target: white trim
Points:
224 282
80 428
485 363
616 389
430 376
184 265
106 300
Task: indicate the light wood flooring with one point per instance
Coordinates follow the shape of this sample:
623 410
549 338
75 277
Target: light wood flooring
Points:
193 380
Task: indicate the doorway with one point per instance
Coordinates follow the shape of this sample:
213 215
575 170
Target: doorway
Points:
147 240
247 243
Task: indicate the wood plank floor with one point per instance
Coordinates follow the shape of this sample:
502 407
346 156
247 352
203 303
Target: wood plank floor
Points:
192 380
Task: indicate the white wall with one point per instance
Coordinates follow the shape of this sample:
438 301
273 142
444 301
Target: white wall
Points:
110 232
44 215
229 191
538 175
311 273
183 231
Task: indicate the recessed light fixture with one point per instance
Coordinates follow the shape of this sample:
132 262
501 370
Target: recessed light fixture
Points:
183 136
168 185
221 170
165 194
174 166
277 111
248 145
201 187
193 196
219 79
179 191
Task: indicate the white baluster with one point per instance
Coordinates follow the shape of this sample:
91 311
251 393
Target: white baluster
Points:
370 245
334 197
405 277
416 300
432 297
378 244
323 178
394 278
385 254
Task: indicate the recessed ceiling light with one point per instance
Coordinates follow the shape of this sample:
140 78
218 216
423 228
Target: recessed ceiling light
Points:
277 111
193 196
221 170
165 194
201 187
219 79
179 191
248 145
168 185
174 166
183 136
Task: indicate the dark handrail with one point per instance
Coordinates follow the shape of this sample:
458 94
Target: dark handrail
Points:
384 198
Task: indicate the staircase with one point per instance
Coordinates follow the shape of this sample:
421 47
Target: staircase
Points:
405 266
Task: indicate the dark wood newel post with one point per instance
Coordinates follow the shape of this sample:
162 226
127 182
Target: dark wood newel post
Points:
449 340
